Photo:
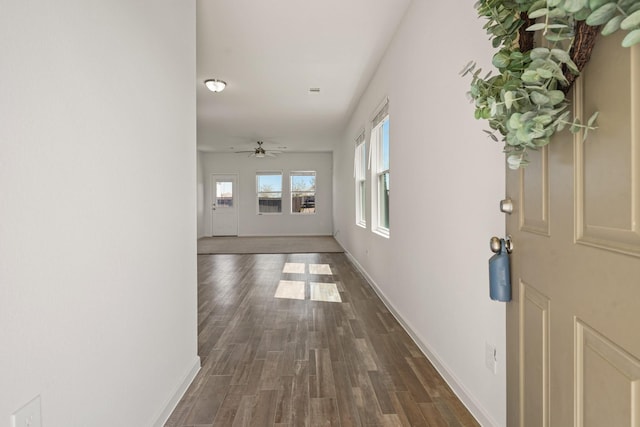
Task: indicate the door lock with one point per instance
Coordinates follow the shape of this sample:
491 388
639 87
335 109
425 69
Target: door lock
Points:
506 206
496 244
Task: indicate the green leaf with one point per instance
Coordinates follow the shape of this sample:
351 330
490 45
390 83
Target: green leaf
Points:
557 13
544 73
582 14
536 6
633 8
575 126
594 4
514 161
514 121
538 13
530 76
573 67
508 99
561 55
555 97
539 53
613 25
537 27
470 65
553 3
592 119
539 99
602 14
631 21
501 60
632 38
573 6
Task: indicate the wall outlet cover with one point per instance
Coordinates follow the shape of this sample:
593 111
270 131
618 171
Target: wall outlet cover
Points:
29 415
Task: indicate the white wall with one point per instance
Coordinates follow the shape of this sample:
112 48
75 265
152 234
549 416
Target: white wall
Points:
286 224
97 254
446 181
200 196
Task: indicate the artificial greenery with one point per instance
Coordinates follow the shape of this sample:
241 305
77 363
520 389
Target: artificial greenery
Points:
525 102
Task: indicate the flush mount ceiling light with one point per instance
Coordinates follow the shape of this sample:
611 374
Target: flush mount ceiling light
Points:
215 85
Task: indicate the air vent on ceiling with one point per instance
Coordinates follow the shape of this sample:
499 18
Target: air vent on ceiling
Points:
314 90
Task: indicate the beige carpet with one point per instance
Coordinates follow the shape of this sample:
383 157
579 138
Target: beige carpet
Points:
268 245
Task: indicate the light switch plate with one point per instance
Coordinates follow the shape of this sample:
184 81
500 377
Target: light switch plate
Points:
28 416
490 358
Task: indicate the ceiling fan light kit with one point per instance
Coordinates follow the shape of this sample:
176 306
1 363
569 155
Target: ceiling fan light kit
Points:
215 85
260 152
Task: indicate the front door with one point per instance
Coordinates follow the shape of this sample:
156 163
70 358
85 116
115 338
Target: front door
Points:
573 326
224 206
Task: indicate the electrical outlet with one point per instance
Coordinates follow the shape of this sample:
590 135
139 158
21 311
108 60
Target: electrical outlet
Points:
491 358
28 416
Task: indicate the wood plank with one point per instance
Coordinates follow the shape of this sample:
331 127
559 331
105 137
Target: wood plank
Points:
293 363
211 396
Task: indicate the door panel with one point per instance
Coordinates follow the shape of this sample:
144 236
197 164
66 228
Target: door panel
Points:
573 349
534 350
606 381
224 206
607 173
534 191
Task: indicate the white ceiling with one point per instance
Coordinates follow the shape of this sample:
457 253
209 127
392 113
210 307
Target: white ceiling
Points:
271 52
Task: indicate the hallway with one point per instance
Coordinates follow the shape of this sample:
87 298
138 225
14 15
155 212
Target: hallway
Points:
277 349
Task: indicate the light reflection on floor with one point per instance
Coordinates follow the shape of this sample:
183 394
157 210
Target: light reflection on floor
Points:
327 292
290 289
294 267
295 289
320 269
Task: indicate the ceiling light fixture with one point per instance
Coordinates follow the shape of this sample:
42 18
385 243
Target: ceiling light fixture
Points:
215 85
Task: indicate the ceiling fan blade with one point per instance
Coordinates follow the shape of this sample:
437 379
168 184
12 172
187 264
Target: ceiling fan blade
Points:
270 154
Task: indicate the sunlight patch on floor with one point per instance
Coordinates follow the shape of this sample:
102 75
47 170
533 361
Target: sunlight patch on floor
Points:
290 289
294 267
327 292
320 269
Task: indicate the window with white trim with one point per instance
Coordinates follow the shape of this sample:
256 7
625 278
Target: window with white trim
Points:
303 192
380 172
360 177
269 192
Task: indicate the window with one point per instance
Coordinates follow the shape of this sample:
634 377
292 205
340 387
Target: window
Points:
269 190
359 174
224 194
380 172
303 192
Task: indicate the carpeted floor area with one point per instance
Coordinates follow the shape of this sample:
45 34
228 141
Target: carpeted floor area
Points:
268 245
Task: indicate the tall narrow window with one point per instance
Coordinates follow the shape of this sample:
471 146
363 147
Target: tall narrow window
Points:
269 192
380 172
360 176
303 192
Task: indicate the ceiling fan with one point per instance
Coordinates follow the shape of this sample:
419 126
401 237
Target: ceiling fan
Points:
260 152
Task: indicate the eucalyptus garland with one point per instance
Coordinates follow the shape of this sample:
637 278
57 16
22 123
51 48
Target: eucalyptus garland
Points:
525 101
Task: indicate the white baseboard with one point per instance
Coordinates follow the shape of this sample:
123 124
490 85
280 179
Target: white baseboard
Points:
450 378
171 404
288 235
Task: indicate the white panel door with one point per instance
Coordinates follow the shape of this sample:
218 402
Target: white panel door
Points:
224 205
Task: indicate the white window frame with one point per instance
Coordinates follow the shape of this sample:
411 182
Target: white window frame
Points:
378 171
258 192
315 191
360 178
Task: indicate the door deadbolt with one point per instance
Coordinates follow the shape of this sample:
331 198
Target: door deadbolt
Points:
506 206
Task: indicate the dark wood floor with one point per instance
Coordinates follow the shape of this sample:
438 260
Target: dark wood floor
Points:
270 361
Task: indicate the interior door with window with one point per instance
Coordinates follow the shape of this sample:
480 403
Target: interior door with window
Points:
573 346
224 206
